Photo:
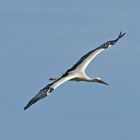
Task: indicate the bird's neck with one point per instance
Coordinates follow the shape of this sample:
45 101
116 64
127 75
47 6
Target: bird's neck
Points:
90 79
93 80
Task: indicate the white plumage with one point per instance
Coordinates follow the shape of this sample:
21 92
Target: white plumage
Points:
76 73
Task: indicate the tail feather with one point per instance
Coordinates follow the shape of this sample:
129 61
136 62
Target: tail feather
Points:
42 94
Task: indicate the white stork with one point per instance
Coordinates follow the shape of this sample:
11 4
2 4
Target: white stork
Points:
75 73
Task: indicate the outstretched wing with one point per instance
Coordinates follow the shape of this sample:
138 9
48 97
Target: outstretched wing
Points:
87 58
49 88
42 94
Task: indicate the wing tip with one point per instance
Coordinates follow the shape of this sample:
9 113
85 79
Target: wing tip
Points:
26 107
31 102
42 94
121 35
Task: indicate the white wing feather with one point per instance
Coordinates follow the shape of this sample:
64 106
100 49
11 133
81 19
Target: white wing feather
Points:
62 80
86 61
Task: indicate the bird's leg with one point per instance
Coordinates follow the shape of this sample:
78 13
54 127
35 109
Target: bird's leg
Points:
52 78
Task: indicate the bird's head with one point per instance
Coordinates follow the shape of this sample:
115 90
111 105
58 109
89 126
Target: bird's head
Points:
99 80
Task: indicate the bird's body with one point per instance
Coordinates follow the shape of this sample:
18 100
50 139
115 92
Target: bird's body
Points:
75 73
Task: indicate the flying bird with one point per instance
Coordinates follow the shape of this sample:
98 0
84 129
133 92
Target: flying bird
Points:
75 73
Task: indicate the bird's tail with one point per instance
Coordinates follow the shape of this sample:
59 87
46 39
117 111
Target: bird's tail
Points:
42 94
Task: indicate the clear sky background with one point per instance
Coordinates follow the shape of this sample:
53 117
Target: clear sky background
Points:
43 38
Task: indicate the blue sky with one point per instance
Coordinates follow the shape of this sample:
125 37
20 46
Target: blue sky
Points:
40 39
